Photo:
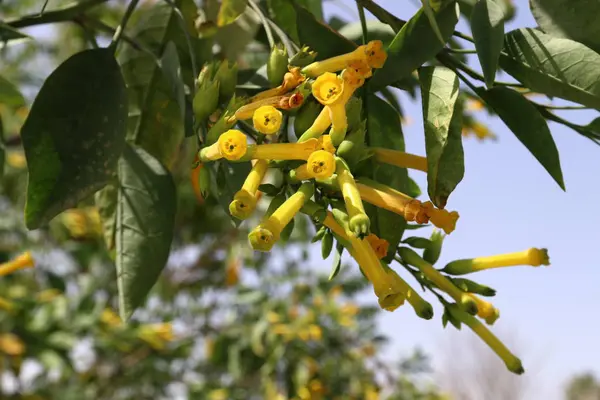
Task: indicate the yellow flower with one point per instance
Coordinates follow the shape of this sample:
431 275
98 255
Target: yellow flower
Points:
485 310
218 394
399 158
110 318
480 131
328 88
285 102
349 309
411 209
156 335
326 144
16 159
291 80
533 256
372 53
244 201
11 344
510 360
371 393
264 236
6 305
267 120
82 222
48 295
320 165
315 332
273 317
24 260
232 145
232 272
439 280
359 222
283 151
379 245
335 291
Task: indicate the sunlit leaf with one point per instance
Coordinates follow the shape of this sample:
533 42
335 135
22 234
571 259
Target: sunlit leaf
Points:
230 10
487 24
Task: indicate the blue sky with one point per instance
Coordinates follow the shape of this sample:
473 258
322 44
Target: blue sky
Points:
508 202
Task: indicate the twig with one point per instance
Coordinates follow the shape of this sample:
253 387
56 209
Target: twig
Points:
264 22
65 14
121 28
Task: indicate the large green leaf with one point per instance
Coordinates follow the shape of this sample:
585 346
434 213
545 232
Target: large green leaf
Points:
155 119
302 26
415 44
74 134
487 24
172 72
384 129
554 66
571 19
146 208
10 94
442 118
528 125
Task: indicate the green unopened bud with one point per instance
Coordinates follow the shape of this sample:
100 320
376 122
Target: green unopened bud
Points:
352 149
433 251
305 116
224 123
326 244
206 99
468 285
353 113
204 181
208 72
277 65
304 57
227 77
320 233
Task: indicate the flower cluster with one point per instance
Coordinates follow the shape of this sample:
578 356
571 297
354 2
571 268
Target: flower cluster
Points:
324 173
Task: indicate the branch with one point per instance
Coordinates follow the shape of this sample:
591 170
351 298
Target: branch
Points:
64 14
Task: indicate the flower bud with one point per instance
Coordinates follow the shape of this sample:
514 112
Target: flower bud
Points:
204 181
354 112
352 149
326 245
433 251
206 99
227 77
277 65
304 57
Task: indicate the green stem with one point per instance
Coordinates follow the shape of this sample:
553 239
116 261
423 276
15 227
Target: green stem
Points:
460 51
65 14
89 34
101 26
264 22
121 28
382 14
188 40
363 22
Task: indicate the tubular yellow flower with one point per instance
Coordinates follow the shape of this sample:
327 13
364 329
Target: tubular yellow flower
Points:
264 236
318 127
22 261
533 256
320 164
379 245
6 305
267 120
110 318
284 151
244 201
232 273
359 222
11 344
371 52
512 362
285 102
411 209
422 308
231 145
326 144
439 280
399 159
485 310
328 88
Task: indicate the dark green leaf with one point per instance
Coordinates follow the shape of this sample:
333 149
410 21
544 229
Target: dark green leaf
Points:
384 129
432 252
145 217
230 178
415 44
10 94
337 261
417 242
525 121
8 33
326 244
443 136
571 19
171 69
487 24
155 122
269 189
554 66
287 231
230 10
74 134
284 15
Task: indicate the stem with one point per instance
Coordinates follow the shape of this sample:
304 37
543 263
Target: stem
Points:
463 36
382 14
101 26
460 51
65 14
121 28
264 22
188 42
291 47
89 34
363 22
553 107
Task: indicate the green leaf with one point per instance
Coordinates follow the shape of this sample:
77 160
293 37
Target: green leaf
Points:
8 33
487 24
171 68
528 125
10 95
554 66
377 31
430 13
230 11
302 27
415 44
442 119
417 242
155 122
74 134
431 254
384 129
230 178
570 19
146 208
337 261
